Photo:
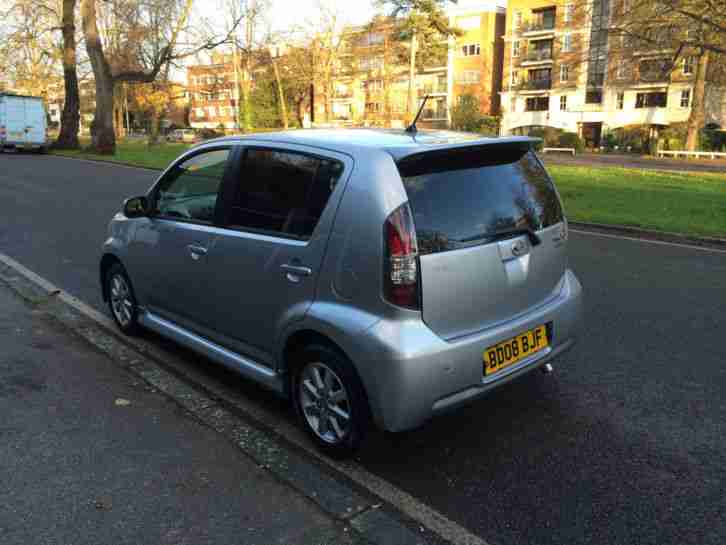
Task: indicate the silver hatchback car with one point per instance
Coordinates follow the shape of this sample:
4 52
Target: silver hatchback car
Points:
372 276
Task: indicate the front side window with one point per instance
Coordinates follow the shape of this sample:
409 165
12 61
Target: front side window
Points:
282 192
190 189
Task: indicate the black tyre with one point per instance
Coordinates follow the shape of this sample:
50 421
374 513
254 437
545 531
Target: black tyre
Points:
330 400
121 299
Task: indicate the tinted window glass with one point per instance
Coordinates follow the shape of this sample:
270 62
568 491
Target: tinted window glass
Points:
283 192
190 189
463 199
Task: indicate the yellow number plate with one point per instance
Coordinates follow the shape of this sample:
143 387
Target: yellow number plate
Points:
509 352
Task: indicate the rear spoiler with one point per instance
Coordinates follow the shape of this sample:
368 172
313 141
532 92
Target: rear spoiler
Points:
464 157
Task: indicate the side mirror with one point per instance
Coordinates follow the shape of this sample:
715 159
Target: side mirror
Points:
136 207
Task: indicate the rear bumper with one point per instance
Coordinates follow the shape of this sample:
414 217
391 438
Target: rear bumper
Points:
412 374
22 145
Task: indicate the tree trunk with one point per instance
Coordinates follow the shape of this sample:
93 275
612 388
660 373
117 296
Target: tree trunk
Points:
412 106
280 94
698 103
68 137
103 138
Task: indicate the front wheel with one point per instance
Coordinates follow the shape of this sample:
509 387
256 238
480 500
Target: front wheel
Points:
121 300
330 401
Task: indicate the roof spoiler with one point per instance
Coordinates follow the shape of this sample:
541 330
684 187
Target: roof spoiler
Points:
465 156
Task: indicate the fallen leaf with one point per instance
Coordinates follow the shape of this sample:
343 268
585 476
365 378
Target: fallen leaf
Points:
121 402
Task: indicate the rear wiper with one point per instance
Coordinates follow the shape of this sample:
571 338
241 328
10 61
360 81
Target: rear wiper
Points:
503 235
533 237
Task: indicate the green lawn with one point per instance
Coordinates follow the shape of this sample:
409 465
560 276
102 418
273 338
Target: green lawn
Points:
136 153
693 204
687 203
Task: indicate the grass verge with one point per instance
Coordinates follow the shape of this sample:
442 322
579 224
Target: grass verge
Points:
687 203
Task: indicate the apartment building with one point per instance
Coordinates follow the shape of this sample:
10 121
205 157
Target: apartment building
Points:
213 96
371 83
475 63
564 69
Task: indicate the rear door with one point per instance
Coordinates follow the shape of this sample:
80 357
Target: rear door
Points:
266 261
34 121
490 231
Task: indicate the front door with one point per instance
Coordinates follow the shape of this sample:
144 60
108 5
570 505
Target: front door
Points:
169 250
591 134
277 219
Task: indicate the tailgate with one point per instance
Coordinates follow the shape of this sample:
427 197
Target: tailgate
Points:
490 231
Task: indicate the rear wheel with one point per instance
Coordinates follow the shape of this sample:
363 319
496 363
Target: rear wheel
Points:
121 300
330 401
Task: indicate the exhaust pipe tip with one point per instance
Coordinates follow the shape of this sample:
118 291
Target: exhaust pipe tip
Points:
547 369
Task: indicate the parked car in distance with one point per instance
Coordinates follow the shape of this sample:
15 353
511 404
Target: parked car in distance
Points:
182 135
23 123
371 276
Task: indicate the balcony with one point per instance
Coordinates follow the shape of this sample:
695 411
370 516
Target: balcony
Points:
535 85
432 90
538 27
537 56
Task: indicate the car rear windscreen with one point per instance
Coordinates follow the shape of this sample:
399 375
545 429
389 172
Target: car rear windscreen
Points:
471 196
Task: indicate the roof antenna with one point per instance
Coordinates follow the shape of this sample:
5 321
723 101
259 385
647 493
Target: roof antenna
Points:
411 129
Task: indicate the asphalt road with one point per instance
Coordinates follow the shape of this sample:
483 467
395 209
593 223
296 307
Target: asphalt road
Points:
624 444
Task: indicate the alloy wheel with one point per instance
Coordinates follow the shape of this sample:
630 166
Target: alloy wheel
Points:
324 403
122 303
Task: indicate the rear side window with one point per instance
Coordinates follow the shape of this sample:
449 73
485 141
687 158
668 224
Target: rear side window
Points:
283 192
466 197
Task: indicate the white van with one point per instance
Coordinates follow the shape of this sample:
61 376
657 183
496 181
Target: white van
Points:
22 123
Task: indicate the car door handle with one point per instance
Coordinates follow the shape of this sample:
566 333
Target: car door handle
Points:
297 270
196 251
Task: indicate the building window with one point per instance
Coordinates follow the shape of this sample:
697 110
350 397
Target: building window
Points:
593 97
513 106
470 50
686 98
469 76
517 22
569 13
373 107
371 63
564 73
469 22
563 103
537 104
212 111
567 43
621 101
688 66
651 100
515 77
621 72
374 85
515 48
200 112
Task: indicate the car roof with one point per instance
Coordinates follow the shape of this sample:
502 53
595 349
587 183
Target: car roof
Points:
397 142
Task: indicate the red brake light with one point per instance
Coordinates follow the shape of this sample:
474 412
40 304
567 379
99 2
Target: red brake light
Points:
401 260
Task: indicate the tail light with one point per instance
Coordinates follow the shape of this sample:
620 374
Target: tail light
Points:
400 282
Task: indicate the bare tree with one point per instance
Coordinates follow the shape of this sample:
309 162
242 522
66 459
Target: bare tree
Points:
145 47
70 120
677 31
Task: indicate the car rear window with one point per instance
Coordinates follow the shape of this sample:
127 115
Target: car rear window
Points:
471 196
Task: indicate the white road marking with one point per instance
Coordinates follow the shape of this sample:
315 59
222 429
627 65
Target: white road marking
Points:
423 514
648 241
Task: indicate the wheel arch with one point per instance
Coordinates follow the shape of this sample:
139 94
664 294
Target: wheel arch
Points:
107 261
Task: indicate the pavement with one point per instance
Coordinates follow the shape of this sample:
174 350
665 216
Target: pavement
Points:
717 166
91 454
624 444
